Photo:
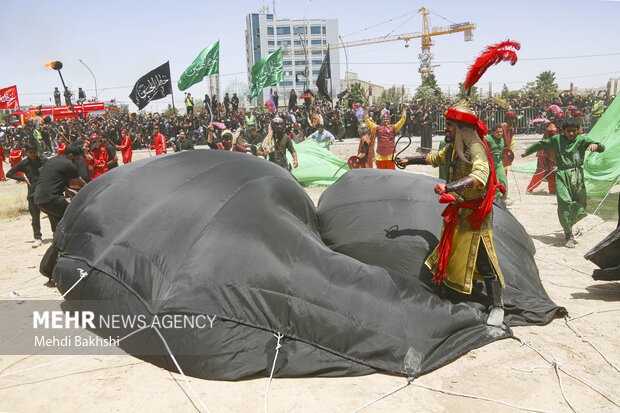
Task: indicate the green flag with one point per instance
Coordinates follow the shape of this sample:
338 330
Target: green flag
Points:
266 72
207 63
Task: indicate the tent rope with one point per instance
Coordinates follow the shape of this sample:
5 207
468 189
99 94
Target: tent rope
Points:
556 368
174 360
407 383
13 373
452 393
582 337
609 396
83 274
273 366
608 192
471 396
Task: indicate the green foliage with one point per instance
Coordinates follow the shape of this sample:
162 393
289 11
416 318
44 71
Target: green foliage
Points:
509 94
463 93
393 97
171 111
356 93
544 87
429 90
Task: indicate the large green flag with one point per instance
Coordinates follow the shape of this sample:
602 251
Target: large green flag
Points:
266 72
602 169
207 63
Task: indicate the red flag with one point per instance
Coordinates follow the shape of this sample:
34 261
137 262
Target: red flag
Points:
8 98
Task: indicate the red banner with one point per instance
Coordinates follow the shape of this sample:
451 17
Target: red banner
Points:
8 98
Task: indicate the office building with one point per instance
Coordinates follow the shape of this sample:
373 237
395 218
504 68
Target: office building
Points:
265 33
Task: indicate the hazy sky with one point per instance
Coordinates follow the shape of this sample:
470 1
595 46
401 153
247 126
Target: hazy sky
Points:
122 40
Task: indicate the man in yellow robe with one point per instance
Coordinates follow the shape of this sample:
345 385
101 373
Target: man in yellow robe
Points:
466 250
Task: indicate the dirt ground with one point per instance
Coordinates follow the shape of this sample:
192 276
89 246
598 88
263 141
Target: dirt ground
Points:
506 371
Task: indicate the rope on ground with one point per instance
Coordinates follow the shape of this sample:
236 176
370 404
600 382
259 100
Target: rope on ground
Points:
563 265
581 336
609 396
471 396
83 275
21 285
408 382
13 373
596 310
174 360
273 367
577 287
556 367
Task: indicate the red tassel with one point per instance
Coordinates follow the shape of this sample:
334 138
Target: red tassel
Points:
490 56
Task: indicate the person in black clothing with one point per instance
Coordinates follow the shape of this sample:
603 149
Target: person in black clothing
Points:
57 96
112 156
30 167
235 103
292 100
56 176
226 102
82 165
276 98
182 143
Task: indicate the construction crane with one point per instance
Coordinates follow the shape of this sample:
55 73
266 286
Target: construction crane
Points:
426 35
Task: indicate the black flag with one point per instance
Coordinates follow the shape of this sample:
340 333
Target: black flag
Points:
324 74
156 84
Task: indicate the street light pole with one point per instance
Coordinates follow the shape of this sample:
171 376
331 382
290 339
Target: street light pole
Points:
94 78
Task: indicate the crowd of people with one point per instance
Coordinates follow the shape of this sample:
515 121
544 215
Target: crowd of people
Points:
93 143
471 156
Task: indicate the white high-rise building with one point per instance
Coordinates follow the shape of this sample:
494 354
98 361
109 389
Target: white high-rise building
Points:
264 34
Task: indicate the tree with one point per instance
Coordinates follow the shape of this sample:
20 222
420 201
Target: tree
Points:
357 94
545 86
429 90
393 96
171 111
473 95
509 94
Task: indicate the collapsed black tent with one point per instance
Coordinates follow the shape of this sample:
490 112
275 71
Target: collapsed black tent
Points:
605 255
226 234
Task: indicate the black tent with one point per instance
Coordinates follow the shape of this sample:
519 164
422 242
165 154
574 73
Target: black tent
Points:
227 234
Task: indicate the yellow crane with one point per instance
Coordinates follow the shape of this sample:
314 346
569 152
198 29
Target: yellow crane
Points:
425 57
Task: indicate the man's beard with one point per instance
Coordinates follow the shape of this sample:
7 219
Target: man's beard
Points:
464 137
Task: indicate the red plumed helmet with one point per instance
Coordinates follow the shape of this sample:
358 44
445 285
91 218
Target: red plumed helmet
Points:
490 56
577 113
511 114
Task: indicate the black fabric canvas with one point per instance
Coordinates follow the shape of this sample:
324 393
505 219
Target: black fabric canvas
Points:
231 235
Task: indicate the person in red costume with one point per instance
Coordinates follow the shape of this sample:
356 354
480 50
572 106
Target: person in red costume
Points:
98 156
466 251
2 159
15 157
159 142
545 165
125 147
61 147
385 134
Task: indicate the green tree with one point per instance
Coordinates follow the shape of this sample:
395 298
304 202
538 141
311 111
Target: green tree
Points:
463 93
393 96
356 93
171 111
429 90
545 86
509 94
